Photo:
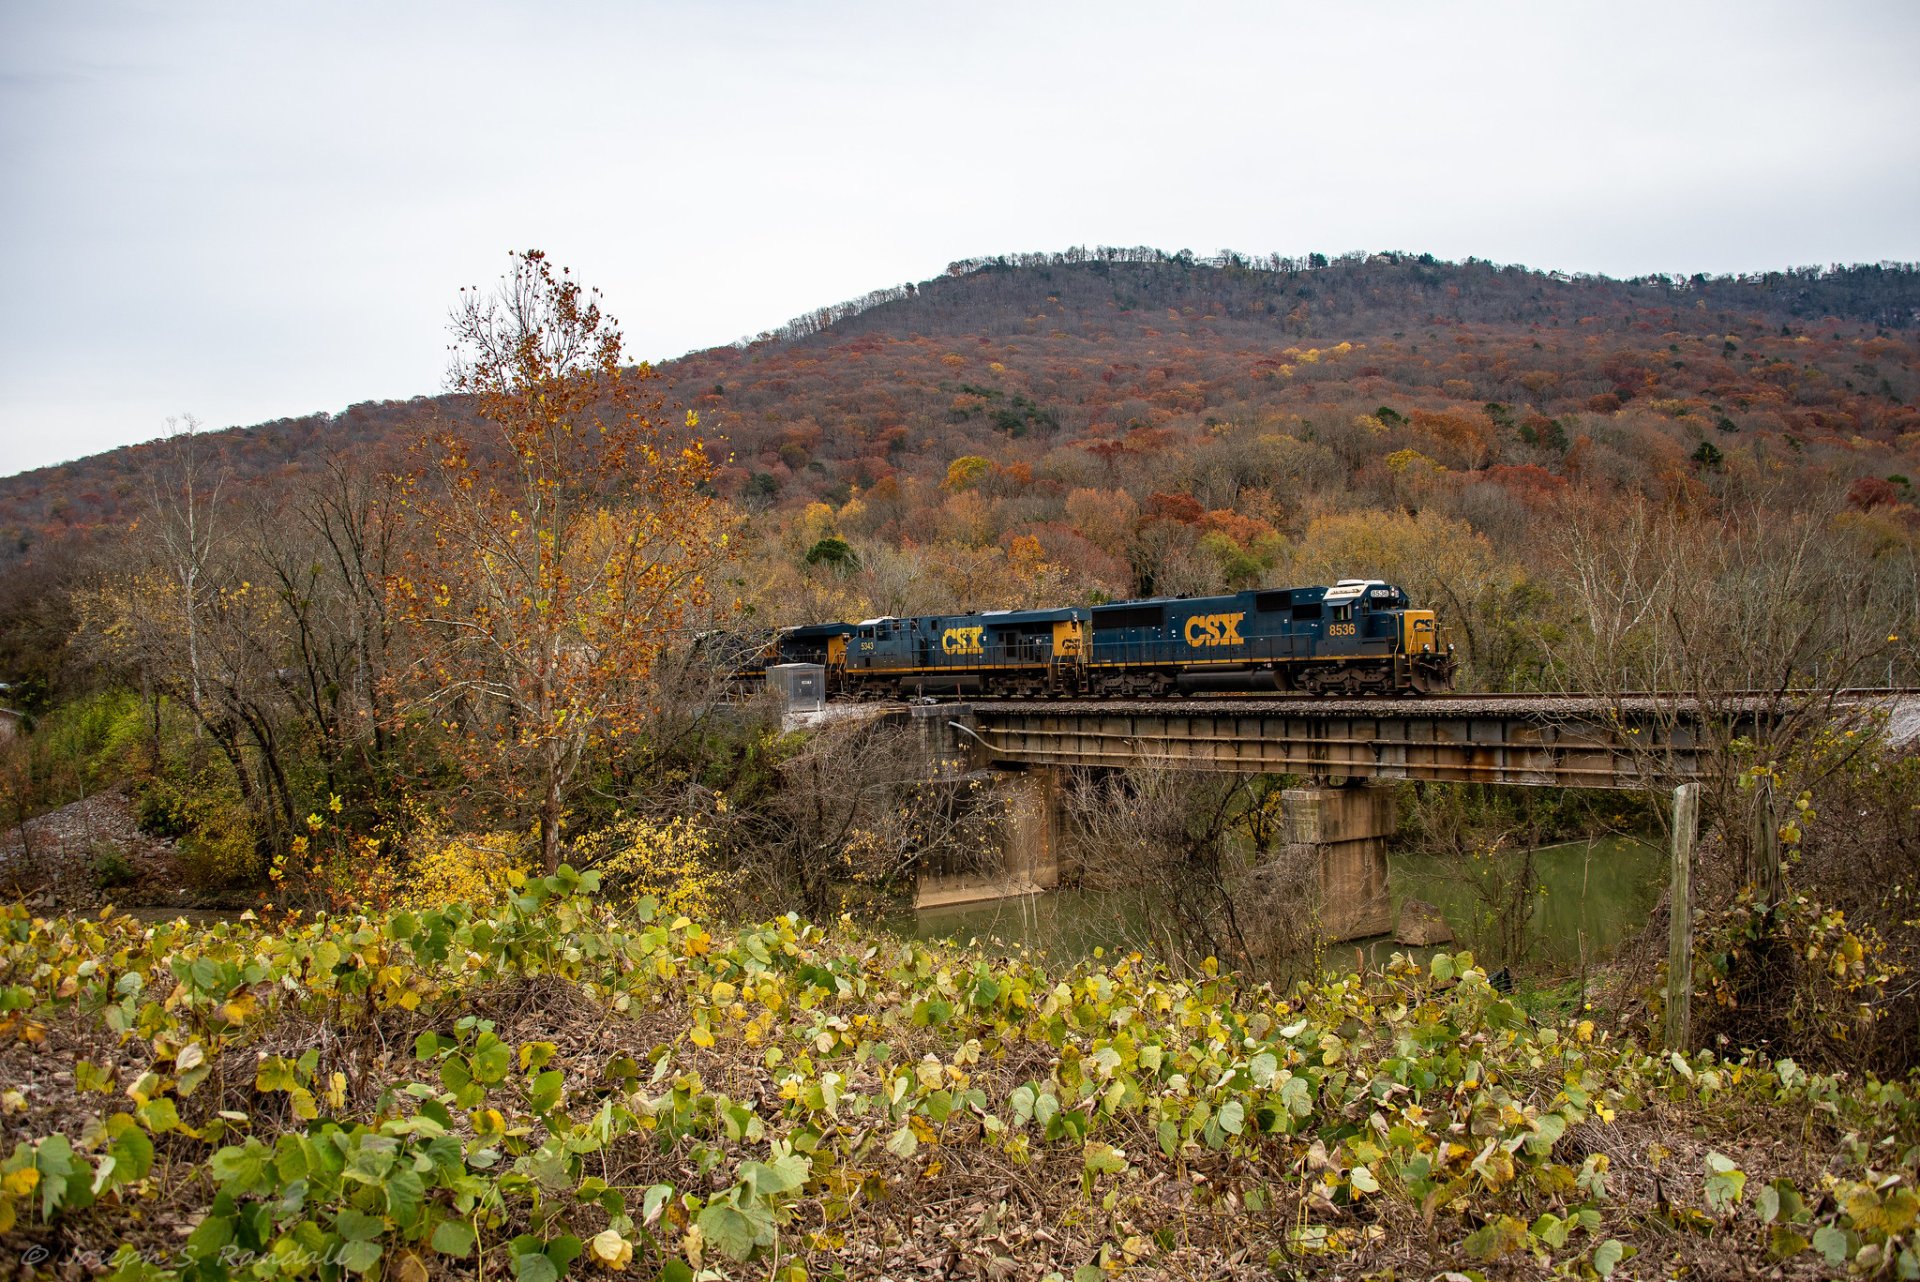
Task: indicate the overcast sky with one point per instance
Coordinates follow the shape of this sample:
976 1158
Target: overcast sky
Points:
249 211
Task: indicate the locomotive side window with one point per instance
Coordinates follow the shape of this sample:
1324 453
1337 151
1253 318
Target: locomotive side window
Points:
1272 602
1342 613
1139 617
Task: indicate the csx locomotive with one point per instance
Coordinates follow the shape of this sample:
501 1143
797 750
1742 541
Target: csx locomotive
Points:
1360 636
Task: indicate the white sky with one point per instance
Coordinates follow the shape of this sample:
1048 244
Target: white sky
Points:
246 211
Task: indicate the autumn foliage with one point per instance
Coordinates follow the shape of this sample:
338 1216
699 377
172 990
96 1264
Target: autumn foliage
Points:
564 543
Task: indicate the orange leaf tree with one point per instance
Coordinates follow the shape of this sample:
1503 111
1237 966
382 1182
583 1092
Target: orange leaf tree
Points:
565 542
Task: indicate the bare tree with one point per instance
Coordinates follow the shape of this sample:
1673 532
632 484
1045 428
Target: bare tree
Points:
1729 636
1200 861
183 503
859 812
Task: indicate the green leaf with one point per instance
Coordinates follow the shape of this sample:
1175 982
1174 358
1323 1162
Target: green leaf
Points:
1233 1117
242 1169
1784 1243
534 1266
453 1237
1725 1182
159 1116
455 1075
770 1179
210 1235
359 1257
406 1192
903 1142
726 1227
358 1226
546 1091
492 1064
1607 1257
1832 1243
564 1250
132 1150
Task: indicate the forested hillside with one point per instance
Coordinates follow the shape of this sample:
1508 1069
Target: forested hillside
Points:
1100 423
1103 343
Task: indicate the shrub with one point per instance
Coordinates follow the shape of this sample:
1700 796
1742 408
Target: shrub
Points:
161 811
671 861
209 824
465 868
111 867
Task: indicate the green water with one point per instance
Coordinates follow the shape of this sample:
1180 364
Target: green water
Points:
1597 893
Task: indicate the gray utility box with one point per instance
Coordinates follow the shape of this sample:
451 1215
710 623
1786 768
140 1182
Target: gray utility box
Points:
802 687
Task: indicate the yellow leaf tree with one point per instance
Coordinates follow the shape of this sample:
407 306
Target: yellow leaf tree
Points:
565 541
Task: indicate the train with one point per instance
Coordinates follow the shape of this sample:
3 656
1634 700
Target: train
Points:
1357 637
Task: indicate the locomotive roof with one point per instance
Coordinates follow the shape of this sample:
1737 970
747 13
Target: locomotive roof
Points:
1344 590
817 631
1060 615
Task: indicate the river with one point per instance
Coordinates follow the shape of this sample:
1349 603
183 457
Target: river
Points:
1596 894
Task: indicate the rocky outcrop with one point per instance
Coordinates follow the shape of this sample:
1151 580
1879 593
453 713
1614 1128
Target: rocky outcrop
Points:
1422 925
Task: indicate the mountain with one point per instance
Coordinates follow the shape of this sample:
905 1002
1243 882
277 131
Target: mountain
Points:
1125 352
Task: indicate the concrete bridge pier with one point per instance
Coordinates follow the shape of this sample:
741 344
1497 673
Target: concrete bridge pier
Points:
1029 845
1346 830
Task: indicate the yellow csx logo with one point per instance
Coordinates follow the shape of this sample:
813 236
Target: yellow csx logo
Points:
1215 629
961 641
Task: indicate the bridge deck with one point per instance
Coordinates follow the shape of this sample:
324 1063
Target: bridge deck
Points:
1538 740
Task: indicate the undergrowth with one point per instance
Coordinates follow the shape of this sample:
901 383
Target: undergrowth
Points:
549 1087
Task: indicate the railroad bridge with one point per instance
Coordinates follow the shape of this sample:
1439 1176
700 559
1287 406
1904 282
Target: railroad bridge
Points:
1338 748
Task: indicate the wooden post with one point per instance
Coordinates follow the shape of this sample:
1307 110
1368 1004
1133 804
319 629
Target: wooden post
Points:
1686 819
1766 845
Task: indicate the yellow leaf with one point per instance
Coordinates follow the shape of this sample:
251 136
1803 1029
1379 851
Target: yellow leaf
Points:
611 1250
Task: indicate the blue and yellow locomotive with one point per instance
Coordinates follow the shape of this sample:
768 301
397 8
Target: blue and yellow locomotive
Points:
1360 636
